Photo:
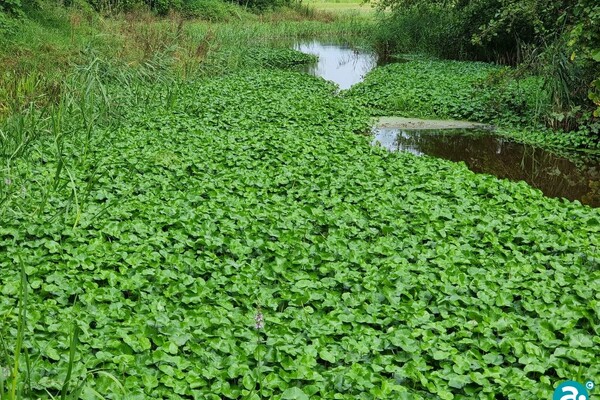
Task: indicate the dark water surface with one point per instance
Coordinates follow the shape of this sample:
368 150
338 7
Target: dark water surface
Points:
482 152
553 175
339 63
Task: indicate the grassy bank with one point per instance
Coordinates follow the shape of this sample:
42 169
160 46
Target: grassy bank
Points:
342 6
52 43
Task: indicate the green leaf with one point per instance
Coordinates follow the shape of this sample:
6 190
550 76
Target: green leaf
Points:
327 356
294 393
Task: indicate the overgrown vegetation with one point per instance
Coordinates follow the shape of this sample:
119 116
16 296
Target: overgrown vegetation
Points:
163 7
449 90
220 199
50 44
180 217
557 40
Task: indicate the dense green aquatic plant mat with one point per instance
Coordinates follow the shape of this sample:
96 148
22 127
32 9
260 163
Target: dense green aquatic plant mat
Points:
379 275
273 57
448 89
471 91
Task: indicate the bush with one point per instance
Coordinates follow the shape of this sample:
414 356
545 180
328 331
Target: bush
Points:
432 30
262 5
559 38
14 7
8 27
162 7
453 32
115 6
210 10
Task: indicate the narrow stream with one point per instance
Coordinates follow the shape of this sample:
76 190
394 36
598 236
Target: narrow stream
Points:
341 64
481 151
485 153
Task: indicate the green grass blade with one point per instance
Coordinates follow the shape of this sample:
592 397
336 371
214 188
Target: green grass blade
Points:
72 352
114 379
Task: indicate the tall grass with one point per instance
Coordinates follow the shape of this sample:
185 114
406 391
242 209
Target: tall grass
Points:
32 73
34 64
107 65
431 30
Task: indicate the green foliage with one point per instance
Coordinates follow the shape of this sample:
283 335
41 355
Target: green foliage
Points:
8 27
566 83
262 5
442 31
509 32
594 96
159 214
428 30
528 21
217 197
549 26
115 6
484 29
162 7
13 7
206 9
10 12
210 10
585 42
270 57
582 140
449 89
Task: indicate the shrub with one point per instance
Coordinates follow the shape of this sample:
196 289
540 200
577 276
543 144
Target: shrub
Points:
262 5
14 7
210 10
8 27
431 30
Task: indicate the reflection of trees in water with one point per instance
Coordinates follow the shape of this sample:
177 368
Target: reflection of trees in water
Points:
341 60
359 61
555 176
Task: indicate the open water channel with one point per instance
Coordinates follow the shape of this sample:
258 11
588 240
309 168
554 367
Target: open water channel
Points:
339 63
481 151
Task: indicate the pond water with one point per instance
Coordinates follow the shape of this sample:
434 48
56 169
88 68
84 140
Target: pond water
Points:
555 176
339 63
484 153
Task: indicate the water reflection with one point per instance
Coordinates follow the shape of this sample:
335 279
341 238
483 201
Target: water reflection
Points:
340 64
554 176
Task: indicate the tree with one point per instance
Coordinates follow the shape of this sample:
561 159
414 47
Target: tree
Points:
559 37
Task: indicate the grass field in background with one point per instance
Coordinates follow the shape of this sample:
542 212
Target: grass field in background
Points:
342 6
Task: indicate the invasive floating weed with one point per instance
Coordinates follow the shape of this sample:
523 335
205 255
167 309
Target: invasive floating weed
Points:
420 278
448 89
16 381
186 191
